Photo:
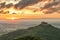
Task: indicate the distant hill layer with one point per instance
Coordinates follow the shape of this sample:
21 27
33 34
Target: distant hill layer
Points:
44 31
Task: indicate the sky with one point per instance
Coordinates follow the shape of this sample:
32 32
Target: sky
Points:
31 8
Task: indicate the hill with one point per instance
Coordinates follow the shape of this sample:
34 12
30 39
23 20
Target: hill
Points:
44 31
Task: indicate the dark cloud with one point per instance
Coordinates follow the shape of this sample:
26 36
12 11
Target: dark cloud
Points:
9 5
2 5
54 7
25 3
50 5
52 10
21 4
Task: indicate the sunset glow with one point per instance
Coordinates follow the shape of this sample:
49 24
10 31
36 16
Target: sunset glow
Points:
29 12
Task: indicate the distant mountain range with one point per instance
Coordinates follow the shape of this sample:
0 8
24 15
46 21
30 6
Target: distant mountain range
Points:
44 31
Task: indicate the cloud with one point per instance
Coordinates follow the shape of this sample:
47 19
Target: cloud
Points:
9 5
24 3
2 5
51 7
21 4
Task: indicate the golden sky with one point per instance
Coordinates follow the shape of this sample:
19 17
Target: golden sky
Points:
31 11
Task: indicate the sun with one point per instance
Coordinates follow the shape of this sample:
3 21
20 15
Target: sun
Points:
12 18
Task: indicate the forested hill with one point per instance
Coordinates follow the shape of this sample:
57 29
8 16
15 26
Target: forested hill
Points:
43 31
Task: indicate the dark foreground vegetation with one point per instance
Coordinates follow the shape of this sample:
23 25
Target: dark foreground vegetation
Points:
28 38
